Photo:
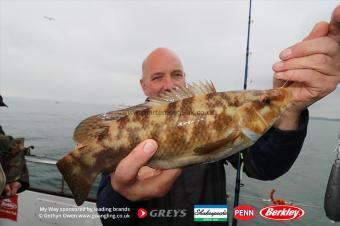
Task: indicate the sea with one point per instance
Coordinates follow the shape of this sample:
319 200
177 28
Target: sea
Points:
48 125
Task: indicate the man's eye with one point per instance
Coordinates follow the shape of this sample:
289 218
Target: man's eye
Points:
178 75
157 78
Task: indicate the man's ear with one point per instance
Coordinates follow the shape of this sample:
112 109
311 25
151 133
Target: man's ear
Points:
142 84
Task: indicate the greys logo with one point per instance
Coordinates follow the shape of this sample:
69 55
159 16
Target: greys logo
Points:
169 213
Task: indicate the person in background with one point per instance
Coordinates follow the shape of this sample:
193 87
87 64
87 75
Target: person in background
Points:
313 67
13 170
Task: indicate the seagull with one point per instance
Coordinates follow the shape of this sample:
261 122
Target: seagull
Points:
49 18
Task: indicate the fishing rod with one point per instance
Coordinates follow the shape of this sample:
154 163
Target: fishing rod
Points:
239 155
332 195
245 82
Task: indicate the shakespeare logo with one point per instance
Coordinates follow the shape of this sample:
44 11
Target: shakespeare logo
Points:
205 213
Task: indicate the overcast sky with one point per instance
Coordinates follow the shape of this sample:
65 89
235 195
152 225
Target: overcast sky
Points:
91 51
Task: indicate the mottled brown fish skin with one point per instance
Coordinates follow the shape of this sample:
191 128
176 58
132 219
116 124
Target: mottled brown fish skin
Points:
197 129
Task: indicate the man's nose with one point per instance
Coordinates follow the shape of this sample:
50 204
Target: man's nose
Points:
168 84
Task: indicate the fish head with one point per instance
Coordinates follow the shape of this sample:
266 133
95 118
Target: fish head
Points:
260 109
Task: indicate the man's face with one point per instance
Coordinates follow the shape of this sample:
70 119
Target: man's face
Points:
162 71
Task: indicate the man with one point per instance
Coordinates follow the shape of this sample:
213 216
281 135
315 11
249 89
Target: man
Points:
13 166
314 67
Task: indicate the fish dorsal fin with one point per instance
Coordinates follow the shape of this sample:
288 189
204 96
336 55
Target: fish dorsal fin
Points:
180 93
95 126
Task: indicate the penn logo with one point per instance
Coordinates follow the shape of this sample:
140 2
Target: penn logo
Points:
244 212
282 212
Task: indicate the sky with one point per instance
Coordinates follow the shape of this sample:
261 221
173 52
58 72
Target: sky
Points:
92 51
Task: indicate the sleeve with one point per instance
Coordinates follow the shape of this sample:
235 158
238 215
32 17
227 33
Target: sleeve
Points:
5 146
13 162
107 198
24 179
275 152
2 131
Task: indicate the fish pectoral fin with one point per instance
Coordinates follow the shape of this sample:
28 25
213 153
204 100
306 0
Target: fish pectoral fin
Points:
225 143
214 147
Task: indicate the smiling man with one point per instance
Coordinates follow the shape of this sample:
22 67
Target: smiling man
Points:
162 70
313 67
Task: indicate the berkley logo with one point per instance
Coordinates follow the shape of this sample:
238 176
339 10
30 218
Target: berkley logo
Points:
244 212
282 212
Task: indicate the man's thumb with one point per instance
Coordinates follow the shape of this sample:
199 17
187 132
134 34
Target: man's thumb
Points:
319 30
334 25
127 170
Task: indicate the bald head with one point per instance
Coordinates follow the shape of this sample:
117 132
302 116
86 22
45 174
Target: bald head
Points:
162 70
158 57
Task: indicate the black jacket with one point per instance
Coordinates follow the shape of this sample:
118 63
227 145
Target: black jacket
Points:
270 157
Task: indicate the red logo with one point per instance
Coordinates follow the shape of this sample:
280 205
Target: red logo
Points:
9 208
8 204
282 212
244 212
142 213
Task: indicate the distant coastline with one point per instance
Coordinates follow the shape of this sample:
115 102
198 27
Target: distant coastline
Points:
325 119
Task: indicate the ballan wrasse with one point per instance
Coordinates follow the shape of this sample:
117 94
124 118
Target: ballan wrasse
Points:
192 124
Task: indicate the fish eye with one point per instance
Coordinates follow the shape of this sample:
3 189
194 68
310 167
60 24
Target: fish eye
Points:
266 100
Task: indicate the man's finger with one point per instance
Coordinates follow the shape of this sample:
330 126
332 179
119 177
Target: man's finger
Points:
127 170
7 190
334 25
298 75
15 186
146 172
319 30
323 45
318 62
158 185
313 80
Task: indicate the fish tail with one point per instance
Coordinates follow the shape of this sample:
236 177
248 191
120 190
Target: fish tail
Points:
77 173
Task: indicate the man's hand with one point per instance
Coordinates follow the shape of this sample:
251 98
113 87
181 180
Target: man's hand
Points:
135 181
313 66
12 188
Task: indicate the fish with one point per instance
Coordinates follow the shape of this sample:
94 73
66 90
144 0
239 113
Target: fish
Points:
192 125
